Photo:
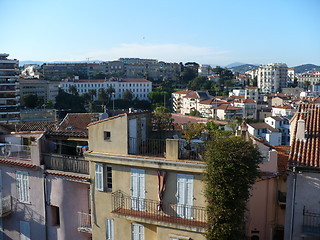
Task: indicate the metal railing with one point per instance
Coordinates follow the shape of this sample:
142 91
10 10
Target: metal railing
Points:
6 206
66 163
150 209
84 224
147 147
311 223
13 151
193 151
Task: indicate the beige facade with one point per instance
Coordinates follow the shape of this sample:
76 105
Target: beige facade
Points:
116 200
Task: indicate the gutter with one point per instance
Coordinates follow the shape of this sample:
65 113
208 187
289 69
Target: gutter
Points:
294 186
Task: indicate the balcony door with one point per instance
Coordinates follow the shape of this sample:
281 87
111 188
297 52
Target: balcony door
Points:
137 189
184 195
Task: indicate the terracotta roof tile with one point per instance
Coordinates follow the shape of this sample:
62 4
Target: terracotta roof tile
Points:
283 158
183 92
17 162
306 152
77 121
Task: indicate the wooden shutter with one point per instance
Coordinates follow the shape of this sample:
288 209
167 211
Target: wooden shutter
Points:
22 178
137 231
99 176
109 229
24 230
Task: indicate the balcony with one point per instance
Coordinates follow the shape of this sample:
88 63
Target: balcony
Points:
84 224
149 211
66 163
6 206
147 147
13 152
311 224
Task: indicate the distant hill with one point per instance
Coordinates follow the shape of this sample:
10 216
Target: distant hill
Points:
235 64
243 68
306 67
21 63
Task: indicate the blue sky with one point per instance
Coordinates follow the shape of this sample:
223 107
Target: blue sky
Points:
208 32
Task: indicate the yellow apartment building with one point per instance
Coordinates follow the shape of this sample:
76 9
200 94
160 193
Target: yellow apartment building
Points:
143 188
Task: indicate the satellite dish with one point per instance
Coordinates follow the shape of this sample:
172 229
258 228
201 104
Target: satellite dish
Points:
104 116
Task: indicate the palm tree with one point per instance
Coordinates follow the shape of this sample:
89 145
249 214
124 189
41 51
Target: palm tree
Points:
92 93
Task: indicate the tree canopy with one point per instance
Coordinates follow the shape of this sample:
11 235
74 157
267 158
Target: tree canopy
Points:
231 169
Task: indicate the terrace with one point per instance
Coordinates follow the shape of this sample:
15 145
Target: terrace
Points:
311 224
15 152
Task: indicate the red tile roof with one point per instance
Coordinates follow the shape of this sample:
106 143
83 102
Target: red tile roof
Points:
284 107
306 152
227 107
283 158
107 119
183 92
77 121
85 177
251 87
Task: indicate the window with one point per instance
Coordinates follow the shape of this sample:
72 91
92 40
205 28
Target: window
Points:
23 186
107 135
137 231
99 176
24 230
109 178
55 216
109 229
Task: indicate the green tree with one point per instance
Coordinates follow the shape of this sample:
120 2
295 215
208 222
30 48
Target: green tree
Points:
69 103
162 120
102 96
231 169
73 90
127 95
195 113
307 84
29 101
92 93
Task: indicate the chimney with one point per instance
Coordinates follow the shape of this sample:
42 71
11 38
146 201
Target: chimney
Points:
301 130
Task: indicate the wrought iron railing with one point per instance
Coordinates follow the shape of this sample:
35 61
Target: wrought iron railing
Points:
84 224
147 147
311 223
66 163
150 209
6 206
14 151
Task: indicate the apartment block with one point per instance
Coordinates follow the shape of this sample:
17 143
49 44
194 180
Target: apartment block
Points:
46 90
9 90
271 78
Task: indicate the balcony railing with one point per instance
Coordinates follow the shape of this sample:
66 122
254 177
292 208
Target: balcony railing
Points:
5 206
311 224
193 216
84 224
147 147
13 151
66 163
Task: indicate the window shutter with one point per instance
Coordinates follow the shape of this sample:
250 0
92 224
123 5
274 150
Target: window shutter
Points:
24 230
109 229
99 176
137 231
22 179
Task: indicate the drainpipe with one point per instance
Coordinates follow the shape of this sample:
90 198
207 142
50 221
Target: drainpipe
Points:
293 201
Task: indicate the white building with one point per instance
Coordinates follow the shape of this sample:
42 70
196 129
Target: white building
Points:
139 87
312 78
264 131
9 90
283 125
204 70
272 78
283 111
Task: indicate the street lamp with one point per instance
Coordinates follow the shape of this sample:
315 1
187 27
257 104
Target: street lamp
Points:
113 101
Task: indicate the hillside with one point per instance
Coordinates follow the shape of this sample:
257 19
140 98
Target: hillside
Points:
243 68
306 67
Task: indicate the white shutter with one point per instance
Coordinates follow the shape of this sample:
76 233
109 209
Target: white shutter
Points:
24 230
99 176
134 185
138 189
184 195
23 186
137 231
109 229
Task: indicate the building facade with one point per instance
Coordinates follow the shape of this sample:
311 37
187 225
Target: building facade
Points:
9 90
272 78
139 87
